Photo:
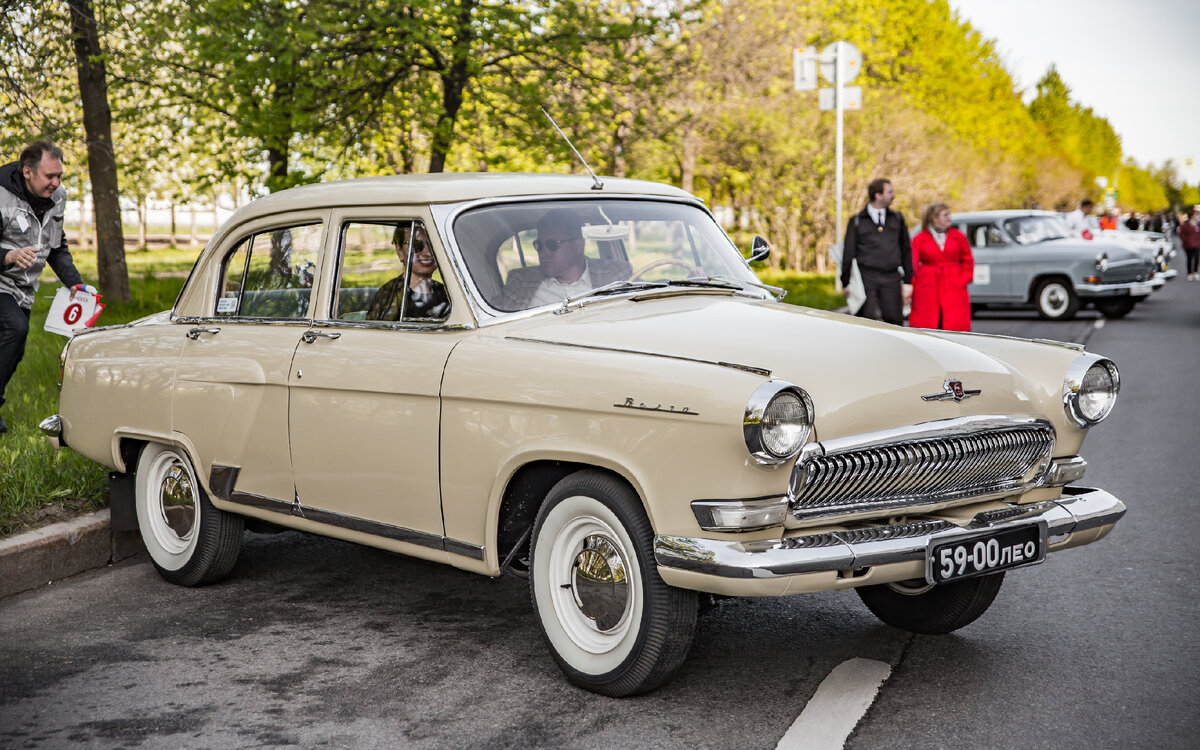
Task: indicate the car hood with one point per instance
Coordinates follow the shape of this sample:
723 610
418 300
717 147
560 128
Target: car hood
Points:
1117 251
861 375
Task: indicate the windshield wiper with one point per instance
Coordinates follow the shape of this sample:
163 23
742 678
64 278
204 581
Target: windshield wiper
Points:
615 287
774 291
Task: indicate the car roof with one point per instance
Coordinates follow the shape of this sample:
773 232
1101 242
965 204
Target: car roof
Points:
1005 213
447 188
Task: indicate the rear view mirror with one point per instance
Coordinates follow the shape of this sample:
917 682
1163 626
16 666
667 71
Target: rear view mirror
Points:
759 249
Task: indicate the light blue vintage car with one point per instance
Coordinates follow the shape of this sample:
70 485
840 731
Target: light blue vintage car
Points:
1026 257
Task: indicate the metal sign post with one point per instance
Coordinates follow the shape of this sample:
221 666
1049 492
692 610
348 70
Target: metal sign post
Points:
839 63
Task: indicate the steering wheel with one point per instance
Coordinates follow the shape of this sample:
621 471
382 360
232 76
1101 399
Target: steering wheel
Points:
692 270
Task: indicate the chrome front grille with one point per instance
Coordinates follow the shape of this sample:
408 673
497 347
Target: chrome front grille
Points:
934 462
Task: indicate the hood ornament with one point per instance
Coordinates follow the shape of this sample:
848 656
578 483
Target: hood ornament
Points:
953 391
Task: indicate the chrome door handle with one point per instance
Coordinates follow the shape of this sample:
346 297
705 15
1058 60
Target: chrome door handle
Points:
195 333
311 335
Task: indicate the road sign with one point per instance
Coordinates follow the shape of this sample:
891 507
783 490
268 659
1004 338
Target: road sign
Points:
851 61
804 68
851 99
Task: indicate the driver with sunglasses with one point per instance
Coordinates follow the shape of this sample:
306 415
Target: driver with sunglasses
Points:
562 271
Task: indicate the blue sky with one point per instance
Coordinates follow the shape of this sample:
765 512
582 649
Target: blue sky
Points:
1137 64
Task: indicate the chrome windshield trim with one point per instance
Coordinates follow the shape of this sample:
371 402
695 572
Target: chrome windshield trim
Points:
445 214
830 551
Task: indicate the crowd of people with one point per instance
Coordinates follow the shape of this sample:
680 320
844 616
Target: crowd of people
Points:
932 272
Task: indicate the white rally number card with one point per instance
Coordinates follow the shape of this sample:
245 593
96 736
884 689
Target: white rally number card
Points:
69 315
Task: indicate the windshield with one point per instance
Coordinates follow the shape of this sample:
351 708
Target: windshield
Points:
525 255
1027 230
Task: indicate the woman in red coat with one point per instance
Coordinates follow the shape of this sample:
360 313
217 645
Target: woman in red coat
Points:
942 268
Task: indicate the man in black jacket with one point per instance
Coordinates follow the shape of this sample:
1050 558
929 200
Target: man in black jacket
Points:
877 239
31 236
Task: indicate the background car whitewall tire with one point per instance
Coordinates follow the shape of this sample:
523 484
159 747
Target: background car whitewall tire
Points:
1056 300
611 623
190 542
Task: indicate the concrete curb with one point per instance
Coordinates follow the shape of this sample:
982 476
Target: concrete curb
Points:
44 555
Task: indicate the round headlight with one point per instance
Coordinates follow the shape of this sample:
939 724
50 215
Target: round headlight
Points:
778 422
1090 390
1102 263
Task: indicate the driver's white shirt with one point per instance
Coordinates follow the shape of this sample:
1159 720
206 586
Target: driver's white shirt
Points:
551 290
1077 221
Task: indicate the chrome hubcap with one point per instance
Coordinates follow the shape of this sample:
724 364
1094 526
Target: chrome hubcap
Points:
178 501
599 583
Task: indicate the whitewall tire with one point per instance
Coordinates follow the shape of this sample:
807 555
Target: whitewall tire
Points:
189 541
611 623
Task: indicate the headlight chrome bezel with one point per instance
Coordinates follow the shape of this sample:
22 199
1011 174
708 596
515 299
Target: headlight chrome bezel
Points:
756 411
1073 389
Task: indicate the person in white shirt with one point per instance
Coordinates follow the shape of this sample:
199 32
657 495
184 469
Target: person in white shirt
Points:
563 271
1079 220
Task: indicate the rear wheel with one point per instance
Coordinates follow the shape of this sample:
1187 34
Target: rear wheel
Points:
1116 308
1056 300
613 626
190 542
919 607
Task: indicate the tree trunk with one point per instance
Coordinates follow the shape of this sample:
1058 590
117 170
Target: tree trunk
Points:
454 87
172 222
102 164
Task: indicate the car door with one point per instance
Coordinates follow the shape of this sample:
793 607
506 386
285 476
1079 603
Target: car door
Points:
993 262
231 393
365 387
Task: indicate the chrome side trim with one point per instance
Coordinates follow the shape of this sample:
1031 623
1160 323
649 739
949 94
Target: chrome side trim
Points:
733 365
374 528
1078 510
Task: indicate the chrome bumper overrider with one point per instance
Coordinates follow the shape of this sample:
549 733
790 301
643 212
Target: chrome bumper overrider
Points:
1079 509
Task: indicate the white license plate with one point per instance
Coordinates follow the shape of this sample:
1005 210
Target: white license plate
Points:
1140 290
987 553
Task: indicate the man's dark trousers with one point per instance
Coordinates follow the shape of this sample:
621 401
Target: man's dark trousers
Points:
884 296
14 327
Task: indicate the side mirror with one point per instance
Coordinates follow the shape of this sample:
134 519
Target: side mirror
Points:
759 250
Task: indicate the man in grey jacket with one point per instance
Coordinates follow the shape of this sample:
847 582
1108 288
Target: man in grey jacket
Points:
31 236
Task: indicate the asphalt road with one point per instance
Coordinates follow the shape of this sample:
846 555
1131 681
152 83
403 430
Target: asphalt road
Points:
318 643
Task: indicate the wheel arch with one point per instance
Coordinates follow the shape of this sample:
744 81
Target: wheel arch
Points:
523 495
1040 278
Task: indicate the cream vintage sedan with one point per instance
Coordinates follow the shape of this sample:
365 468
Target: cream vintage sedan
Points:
581 382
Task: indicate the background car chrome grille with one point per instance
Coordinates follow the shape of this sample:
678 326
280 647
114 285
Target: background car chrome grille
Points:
921 470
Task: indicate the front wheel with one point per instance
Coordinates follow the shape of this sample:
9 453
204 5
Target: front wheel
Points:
1116 308
190 542
923 608
613 626
1056 300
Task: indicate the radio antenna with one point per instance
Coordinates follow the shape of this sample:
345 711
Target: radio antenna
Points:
596 183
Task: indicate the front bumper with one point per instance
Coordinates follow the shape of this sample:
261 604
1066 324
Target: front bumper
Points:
1130 289
1079 509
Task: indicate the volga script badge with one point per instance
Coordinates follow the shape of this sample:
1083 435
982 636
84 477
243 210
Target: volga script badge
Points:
953 390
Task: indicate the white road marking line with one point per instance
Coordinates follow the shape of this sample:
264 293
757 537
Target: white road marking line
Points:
841 701
1098 324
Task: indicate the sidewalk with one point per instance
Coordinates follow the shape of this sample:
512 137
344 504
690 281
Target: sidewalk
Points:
35 558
